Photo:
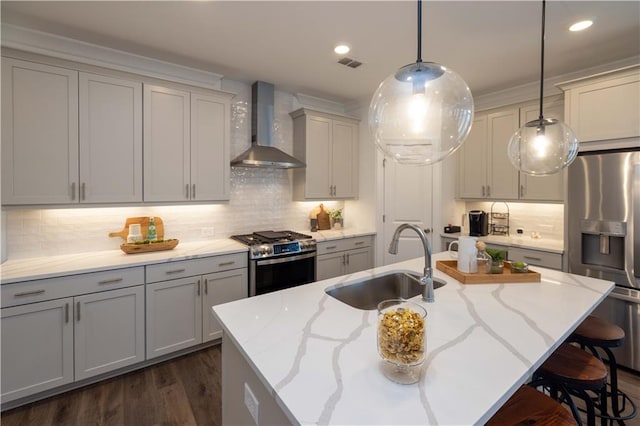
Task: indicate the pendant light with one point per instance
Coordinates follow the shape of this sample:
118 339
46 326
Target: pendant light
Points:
422 113
543 146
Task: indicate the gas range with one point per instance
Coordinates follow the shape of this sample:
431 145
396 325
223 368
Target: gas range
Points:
265 244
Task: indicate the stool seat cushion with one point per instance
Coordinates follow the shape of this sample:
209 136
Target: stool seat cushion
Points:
598 332
576 367
529 407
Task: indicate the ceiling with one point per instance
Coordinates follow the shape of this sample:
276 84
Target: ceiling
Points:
492 45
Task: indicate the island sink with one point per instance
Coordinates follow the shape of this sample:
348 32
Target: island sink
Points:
367 293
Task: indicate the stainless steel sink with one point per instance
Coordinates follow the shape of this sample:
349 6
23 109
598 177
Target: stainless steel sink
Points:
367 293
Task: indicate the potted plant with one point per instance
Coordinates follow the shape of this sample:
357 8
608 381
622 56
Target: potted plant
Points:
336 216
494 266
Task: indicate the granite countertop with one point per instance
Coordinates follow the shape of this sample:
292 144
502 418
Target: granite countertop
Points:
318 356
525 242
17 270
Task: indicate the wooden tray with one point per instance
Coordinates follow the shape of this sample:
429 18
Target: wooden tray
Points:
144 225
131 248
450 267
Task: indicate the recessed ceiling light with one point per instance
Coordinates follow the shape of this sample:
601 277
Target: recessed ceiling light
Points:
342 49
582 25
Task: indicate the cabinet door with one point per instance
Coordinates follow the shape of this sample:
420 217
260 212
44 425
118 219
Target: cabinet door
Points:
174 316
502 176
109 331
344 159
472 161
330 265
110 139
39 133
318 146
221 287
37 347
166 144
359 260
210 162
543 188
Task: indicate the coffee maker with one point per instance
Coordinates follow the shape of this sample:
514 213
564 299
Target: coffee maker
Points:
478 223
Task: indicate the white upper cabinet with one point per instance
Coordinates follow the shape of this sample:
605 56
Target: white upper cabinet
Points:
328 144
605 106
39 133
110 139
186 145
484 168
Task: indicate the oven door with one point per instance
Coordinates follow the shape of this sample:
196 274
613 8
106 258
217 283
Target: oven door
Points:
277 273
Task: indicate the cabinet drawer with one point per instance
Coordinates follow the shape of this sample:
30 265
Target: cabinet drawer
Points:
72 285
333 246
536 257
190 268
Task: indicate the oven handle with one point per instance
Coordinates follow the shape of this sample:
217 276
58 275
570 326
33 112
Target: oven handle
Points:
285 259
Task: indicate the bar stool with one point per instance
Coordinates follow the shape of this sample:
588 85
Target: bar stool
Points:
529 407
598 336
571 371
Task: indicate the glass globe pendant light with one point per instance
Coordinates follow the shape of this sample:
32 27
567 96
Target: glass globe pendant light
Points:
543 146
422 113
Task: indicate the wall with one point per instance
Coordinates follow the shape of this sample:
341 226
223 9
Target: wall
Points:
260 199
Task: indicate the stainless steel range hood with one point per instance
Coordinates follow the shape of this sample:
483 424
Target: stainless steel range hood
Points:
262 152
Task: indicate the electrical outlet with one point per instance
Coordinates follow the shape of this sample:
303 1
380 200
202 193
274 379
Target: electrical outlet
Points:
251 402
207 231
519 231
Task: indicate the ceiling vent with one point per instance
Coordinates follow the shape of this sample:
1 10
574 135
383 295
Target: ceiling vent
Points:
351 63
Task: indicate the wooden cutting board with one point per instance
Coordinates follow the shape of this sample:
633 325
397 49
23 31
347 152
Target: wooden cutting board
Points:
323 220
144 225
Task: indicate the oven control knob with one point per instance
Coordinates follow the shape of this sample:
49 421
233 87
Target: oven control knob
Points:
266 250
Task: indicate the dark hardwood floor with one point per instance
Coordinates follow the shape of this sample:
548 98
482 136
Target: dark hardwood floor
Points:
182 391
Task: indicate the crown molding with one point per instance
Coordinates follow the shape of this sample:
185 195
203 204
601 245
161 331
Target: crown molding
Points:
25 39
530 91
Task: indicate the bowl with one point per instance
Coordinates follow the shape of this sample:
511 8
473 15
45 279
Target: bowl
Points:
519 267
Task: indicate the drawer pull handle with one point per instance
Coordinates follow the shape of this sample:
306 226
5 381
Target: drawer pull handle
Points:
83 192
66 313
206 286
227 263
78 310
331 247
198 287
175 271
533 258
111 281
29 293
193 191
359 243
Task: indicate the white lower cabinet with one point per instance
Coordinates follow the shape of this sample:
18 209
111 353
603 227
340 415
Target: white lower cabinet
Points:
109 331
60 330
37 347
340 257
179 310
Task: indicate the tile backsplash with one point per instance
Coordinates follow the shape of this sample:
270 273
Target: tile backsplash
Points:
260 199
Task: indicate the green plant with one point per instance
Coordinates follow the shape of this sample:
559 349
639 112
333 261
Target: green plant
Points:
496 254
336 214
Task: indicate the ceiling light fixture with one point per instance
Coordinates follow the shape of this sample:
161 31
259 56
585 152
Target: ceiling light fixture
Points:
342 49
582 25
543 146
422 113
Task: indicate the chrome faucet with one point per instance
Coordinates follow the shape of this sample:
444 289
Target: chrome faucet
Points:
428 294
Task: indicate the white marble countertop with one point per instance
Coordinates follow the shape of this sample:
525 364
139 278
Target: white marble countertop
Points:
526 242
17 270
318 356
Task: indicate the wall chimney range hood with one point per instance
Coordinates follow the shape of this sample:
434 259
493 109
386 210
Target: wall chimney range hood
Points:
262 152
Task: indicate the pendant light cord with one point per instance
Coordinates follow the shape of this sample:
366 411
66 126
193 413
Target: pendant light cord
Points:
419 59
542 60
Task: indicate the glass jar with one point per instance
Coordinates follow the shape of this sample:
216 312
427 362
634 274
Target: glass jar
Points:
495 266
401 339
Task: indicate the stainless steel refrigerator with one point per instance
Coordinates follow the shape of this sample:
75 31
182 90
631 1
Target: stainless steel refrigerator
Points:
603 229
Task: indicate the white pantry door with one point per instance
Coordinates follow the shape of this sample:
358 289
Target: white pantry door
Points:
408 196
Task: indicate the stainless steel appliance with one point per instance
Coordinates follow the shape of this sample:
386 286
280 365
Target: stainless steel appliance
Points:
478 223
603 227
279 260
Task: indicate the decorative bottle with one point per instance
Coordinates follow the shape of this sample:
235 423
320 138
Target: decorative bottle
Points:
151 230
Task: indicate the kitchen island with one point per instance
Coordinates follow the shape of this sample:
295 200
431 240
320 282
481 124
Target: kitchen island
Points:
303 357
